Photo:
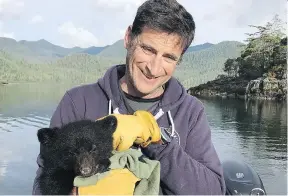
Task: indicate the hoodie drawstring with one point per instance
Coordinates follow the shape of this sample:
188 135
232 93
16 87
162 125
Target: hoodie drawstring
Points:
172 123
159 114
116 111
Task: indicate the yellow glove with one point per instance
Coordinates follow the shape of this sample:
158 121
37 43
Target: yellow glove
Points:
151 129
140 128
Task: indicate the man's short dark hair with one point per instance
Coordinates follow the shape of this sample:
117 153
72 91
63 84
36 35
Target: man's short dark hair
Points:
165 16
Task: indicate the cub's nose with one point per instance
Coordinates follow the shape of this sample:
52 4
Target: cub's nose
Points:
85 171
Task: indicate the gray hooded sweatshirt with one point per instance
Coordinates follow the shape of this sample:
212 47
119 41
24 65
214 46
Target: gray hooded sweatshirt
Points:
189 162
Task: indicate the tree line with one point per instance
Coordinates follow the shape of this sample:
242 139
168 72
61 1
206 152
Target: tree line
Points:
265 53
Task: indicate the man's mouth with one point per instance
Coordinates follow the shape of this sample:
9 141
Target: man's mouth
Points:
148 76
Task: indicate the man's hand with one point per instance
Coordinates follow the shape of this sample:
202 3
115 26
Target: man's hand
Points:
151 131
140 128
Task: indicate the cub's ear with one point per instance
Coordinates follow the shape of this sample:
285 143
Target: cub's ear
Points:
109 121
45 135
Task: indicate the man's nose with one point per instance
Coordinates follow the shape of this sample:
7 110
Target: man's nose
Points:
154 66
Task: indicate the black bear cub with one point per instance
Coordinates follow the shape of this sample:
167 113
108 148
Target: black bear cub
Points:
80 148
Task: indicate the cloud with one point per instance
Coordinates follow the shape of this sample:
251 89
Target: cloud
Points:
122 32
222 20
77 36
118 5
6 34
100 22
235 14
36 19
10 9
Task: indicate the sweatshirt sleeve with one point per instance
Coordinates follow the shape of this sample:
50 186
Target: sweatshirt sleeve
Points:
65 112
195 170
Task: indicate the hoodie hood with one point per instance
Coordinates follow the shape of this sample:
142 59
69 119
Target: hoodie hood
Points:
173 96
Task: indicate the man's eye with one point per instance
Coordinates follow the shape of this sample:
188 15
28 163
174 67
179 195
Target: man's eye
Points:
170 58
147 50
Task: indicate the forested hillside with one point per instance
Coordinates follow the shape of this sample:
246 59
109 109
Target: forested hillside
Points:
80 68
201 66
199 47
196 67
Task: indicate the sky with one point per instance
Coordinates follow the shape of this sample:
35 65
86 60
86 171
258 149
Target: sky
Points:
86 23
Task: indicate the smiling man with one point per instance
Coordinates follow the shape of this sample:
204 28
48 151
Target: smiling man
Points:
155 42
151 60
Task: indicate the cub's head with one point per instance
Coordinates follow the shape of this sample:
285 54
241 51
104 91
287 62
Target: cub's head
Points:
83 147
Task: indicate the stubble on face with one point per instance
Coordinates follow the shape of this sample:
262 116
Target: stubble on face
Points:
141 66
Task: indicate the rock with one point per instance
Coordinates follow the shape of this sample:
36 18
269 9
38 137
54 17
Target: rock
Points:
267 88
284 76
270 84
265 75
254 87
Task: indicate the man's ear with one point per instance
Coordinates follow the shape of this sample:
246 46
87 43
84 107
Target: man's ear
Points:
127 39
45 135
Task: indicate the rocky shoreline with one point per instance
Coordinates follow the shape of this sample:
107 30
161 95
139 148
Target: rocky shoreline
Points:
264 88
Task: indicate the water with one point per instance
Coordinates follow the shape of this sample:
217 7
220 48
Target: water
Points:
255 132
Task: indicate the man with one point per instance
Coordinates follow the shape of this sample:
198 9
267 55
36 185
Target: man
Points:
159 36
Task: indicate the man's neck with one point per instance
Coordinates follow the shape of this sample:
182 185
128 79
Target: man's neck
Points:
129 89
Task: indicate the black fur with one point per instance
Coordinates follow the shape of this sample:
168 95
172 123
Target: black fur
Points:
81 148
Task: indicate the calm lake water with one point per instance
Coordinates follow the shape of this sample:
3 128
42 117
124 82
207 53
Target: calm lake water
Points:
254 131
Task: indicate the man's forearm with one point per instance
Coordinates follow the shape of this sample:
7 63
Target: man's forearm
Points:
183 175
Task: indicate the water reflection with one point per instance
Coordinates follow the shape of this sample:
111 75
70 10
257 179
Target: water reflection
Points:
23 110
253 131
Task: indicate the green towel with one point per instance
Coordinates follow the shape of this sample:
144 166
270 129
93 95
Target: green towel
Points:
143 168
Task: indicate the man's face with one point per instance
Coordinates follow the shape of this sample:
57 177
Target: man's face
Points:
152 59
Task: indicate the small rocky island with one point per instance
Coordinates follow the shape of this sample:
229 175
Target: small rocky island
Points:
259 73
268 88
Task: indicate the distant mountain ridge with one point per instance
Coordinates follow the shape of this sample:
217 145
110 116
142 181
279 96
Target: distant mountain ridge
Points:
199 47
42 50
117 49
93 50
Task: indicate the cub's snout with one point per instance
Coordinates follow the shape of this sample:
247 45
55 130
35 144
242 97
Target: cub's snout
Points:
86 164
